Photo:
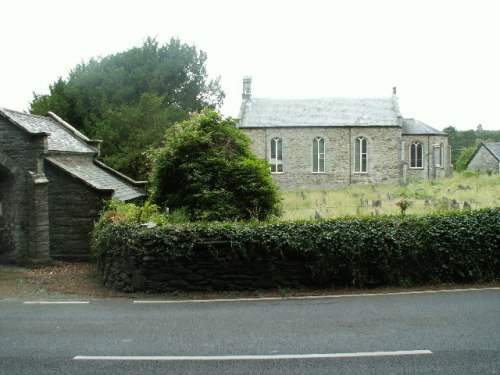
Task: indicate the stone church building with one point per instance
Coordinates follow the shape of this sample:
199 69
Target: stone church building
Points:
52 188
329 142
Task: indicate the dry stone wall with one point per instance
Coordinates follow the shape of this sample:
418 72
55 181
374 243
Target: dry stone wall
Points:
202 271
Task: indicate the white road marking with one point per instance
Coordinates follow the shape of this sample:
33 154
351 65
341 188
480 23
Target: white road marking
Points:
250 357
330 296
56 302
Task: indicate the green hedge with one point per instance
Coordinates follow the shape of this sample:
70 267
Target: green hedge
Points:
361 252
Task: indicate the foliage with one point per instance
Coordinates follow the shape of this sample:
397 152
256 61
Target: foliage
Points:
361 252
403 205
128 99
120 212
206 166
462 140
464 158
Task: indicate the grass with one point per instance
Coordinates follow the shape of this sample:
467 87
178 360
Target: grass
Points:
463 189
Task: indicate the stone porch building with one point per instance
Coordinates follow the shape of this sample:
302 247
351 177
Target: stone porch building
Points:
329 142
52 188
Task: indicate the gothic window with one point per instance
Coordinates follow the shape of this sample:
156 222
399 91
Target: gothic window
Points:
318 154
416 155
276 155
361 155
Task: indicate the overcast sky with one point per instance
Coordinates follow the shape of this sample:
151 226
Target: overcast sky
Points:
443 56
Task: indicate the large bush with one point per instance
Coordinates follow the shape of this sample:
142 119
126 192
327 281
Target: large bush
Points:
206 166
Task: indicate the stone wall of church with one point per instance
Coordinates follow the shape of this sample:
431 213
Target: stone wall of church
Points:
383 148
431 166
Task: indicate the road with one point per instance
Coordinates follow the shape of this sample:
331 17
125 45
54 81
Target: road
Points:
417 333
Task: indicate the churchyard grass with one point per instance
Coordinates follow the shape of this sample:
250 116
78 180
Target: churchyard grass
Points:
462 191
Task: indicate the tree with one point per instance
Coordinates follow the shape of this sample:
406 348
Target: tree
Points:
461 141
130 130
206 166
464 158
98 97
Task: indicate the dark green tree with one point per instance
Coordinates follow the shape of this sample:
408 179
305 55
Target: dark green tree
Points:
99 97
206 166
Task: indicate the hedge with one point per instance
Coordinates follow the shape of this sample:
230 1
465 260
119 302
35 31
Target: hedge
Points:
359 252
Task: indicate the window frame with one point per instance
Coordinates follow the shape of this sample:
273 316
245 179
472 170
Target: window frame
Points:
276 151
414 160
361 155
318 156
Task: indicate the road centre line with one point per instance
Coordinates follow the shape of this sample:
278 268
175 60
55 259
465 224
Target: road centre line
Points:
330 296
251 357
56 302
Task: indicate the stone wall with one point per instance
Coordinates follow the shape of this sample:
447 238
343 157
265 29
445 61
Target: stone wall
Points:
484 161
7 247
384 155
200 272
24 220
429 169
73 209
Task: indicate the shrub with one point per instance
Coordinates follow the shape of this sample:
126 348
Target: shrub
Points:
361 252
206 166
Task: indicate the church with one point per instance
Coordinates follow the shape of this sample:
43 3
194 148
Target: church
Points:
329 142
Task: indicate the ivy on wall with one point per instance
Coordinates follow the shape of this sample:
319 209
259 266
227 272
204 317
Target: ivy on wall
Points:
360 252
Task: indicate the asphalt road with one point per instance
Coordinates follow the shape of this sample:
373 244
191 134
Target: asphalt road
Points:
446 333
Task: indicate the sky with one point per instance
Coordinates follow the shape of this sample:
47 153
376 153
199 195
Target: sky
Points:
442 55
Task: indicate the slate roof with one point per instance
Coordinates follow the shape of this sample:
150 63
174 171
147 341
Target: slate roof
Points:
63 137
98 176
320 112
415 127
494 148
74 153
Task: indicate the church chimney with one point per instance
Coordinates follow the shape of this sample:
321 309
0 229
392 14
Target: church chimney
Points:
247 88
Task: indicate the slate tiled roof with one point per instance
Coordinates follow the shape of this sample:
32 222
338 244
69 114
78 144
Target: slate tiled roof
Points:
62 136
415 127
494 148
74 153
320 112
97 175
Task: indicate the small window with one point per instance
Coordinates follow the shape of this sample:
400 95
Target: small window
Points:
416 155
276 155
361 157
318 153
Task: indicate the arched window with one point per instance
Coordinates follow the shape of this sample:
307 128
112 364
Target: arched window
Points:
318 154
276 155
361 155
416 155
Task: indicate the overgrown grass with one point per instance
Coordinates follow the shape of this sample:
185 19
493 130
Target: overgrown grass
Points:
463 190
